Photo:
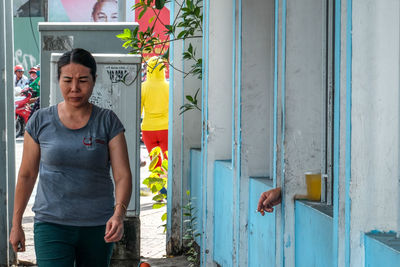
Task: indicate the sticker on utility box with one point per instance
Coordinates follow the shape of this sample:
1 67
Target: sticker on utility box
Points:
112 83
125 74
58 43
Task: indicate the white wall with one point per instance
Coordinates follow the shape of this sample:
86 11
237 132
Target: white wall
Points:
375 121
219 102
257 91
186 134
175 154
257 87
305 85
342 150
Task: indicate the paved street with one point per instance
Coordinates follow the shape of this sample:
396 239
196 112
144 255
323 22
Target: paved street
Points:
152 236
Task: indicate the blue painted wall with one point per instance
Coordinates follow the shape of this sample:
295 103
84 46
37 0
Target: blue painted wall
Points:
196 189
261 228
223 213
382 249
314 228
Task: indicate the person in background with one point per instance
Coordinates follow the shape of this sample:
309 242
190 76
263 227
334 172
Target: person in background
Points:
78 211
154 107
32 74
268 200
105 11
34 81
20 80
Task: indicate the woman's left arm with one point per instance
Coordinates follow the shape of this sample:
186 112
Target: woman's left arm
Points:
123 187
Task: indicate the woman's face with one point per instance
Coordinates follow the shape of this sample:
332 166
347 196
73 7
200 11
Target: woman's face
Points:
76 84
106 12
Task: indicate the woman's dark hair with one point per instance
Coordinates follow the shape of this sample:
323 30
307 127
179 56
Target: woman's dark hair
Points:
78 56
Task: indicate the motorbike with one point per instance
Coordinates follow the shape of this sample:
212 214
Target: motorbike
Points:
22 110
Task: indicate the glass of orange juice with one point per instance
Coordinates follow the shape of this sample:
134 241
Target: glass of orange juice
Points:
313 182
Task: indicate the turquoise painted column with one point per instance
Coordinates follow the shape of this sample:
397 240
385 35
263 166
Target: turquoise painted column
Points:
336 135
348 129
283 107
235 137
170 133
275 114
237 39
204 135
275 138
234 4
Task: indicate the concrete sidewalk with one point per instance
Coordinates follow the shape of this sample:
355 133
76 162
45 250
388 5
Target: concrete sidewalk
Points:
153 239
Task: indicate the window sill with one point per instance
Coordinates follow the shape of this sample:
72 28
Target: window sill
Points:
265 180
387 239
321 207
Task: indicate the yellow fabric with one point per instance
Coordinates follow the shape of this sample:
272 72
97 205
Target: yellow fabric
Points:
155 97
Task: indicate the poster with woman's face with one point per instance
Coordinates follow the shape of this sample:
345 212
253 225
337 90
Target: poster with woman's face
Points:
83 11
105 11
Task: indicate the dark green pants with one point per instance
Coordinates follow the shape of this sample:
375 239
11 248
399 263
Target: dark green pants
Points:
68 246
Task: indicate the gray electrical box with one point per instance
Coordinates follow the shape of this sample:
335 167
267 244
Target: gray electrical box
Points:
117 87
59 37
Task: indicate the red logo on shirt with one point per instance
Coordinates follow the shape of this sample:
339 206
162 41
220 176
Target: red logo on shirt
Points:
87 141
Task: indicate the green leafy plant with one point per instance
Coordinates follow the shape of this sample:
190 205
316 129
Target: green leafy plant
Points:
157 180
192 252
192 103
187 26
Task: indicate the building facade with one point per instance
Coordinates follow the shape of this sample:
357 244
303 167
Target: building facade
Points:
291 87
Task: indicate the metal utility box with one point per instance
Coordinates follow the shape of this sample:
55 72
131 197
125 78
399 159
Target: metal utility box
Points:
58 37
117 88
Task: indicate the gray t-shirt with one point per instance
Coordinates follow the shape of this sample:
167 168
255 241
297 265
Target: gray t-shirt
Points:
75 186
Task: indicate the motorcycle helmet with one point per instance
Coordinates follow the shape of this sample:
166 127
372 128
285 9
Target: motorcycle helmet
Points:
18 68
33 69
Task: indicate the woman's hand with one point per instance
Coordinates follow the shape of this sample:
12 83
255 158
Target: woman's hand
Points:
26 181
17 238
123 186
114 229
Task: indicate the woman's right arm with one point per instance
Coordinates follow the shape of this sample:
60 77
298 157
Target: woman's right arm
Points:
26 181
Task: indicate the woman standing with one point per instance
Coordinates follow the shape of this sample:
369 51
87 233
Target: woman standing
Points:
73 144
